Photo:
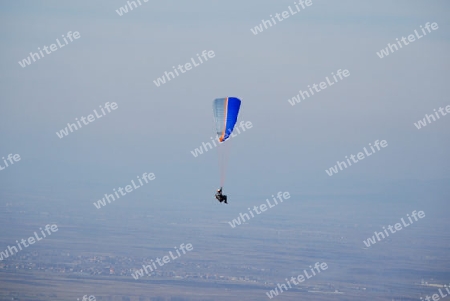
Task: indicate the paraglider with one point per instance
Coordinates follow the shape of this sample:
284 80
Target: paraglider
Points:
220 197
226 112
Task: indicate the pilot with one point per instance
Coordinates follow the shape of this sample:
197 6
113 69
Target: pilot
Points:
220 197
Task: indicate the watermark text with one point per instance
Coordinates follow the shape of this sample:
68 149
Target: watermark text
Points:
146 177
360 156
33 56
265 24
318 87
152 266
124 9
318 267
423 122
11 158
411 38
241 218
10 251
371 240
243 125
86 120
188 66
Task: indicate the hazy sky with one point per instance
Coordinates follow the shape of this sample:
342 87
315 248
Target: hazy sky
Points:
154 128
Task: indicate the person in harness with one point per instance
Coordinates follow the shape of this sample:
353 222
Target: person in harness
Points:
220 197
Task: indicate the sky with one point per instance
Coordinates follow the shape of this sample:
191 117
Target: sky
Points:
154 129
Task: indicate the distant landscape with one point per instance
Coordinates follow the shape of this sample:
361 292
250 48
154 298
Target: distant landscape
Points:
96 252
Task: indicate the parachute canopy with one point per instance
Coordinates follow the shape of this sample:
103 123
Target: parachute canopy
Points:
225 115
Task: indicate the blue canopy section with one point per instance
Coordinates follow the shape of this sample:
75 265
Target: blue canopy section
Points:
226 111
